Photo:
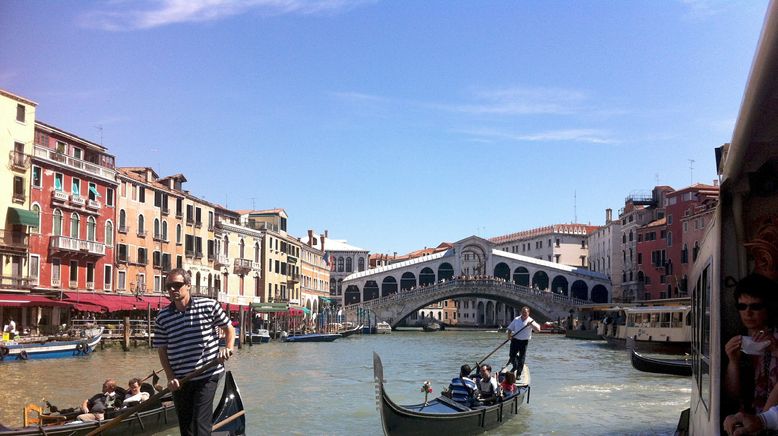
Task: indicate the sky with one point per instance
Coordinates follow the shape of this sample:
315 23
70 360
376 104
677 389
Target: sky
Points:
395 125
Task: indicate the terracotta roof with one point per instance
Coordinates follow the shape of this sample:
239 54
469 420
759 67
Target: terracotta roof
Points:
656 223
581 229
131 173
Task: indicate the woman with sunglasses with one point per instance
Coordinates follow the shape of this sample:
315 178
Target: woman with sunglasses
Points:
752 371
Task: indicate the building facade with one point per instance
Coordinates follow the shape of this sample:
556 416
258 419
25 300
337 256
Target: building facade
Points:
603 246
558 243
242 248
314 271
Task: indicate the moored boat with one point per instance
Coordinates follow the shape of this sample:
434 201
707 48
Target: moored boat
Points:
313 337
589 335
654 329
349 332
431 327
442 415
259 336
681 367
383 327
51 349
161 417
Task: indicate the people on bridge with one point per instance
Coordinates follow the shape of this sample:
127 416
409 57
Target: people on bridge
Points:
520 332
463 389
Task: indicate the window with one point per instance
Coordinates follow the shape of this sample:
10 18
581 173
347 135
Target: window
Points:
37 209
198 216
348 264
107 277
91 228
361 264
75 187
178 233
18 188
157 283
93 194
55 272
669 239
158 199
157 232
20 113
669 219
61 147
141 194
108 233
141 226
34 271
189 214
210 220
78 153
189 245
164 230
57 223
121 280
37 176
109 197
75 224
121 253
142 256
73 273
58 181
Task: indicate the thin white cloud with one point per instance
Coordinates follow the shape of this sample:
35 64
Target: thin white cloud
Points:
591 136
149 14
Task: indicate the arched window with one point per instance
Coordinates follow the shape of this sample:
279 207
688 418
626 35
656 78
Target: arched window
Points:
122 220
630 236
669 239
75 224
141 225
178 233
57 223
256 252
226 246
340 264
361 264
242 248
624 238
108 233
91 228
157 232
37 209
164 230
348 264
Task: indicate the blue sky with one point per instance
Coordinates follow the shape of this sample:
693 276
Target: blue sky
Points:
395 124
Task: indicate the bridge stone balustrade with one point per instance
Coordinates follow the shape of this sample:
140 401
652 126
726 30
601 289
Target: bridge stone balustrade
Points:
393 308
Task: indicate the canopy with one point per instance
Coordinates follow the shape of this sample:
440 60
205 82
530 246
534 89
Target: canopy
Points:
111 303
27 300
23 217
270 307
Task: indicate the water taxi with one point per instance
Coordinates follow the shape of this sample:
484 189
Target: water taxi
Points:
659 329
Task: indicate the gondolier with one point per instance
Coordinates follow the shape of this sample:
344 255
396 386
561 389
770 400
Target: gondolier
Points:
186 338
520 334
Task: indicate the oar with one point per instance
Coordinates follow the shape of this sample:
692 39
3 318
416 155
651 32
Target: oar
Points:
228 420
478 365
146 404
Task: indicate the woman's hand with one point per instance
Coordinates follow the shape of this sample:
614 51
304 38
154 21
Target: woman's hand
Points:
732 348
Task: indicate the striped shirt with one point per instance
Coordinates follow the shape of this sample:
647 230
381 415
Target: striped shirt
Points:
463 390
190 336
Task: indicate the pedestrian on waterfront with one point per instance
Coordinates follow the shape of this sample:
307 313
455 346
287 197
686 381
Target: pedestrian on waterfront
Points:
186 338
94 408
463 389
520 332
752 371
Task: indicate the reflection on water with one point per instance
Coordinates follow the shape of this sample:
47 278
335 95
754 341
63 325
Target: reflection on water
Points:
578 387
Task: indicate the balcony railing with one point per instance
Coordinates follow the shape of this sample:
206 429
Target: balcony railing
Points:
64 243
241 266
10 239
93 204
198 255
294 277
73 284
81 165
90 285
221 260
77 200
19 161
59 196
204 291
55 282
16 282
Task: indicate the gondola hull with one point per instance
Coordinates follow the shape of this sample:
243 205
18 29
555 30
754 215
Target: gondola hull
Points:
314 337
161 417
349 332
441 416
644 346
680 367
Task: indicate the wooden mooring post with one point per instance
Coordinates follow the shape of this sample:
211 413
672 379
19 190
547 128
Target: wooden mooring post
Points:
242 335
127 331
148 329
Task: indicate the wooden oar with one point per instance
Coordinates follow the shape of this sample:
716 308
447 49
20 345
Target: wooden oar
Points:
146 404
228 420
152 374
478 365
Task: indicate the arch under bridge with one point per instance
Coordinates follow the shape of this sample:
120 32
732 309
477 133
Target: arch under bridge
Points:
473 268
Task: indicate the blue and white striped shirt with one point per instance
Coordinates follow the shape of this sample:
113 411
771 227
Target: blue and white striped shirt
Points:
190 336
463 390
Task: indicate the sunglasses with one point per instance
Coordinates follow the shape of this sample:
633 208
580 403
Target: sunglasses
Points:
752 306
174 286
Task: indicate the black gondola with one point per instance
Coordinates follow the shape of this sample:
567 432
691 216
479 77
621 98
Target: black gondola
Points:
228 418
681 367
442 415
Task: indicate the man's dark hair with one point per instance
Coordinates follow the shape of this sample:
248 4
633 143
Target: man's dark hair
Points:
179 272
465 370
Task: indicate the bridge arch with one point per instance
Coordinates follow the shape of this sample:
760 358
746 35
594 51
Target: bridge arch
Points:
370 291
426 277
407 281
580 290
352 295
599 294
559 285
445 271
521 276
503 271
388 286
540 280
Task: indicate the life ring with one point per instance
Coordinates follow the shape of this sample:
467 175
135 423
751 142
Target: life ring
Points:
3 352
22 355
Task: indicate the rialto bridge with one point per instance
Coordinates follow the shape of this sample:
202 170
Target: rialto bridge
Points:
473 268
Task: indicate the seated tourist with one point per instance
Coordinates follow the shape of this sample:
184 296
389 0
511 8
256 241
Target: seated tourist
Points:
487 385
508 384
94 408
463 389
134 395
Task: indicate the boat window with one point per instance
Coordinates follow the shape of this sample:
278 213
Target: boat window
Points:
631 320
665 320
701 337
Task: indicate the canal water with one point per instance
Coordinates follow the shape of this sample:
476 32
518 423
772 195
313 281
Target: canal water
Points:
578 387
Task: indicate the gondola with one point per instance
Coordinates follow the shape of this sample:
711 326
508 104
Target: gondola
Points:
442 415
313 337
681 367
349 332
228 417
431 327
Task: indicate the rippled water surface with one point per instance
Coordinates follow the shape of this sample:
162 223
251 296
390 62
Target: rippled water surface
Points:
578 387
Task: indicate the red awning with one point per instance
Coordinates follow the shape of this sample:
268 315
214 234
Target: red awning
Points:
86 307
27 300
156 302
111 303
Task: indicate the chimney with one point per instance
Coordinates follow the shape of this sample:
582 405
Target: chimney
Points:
715 182
326 233
321 239
310 238
608 215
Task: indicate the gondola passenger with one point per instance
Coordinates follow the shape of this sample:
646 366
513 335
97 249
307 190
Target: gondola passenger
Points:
488 388
463 389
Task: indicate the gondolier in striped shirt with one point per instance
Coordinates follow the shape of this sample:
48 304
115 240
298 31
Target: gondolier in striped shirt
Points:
186 338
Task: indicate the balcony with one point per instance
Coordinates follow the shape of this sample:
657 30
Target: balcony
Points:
59 196
72 245
158 237
293 278
93 204
16 282
90 286
122 229
241 266
189 253
11 241
198 255
165 211
55 282
291 259
73 284
19 161
77 200
221 260
179 214
204 291
198 224
71 162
